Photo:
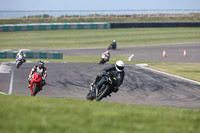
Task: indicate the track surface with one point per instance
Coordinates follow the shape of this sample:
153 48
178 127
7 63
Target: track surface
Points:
174 52
140 86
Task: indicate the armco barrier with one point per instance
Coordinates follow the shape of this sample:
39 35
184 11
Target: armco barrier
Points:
53 26
32 55
154 24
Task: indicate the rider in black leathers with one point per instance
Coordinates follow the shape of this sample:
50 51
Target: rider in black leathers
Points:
119 66
113 45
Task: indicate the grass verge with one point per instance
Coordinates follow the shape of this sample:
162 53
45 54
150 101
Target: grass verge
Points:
22 114
59 39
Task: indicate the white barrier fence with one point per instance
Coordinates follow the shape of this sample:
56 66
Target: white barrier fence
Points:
73 14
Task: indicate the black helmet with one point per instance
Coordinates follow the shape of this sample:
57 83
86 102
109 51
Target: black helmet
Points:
41 64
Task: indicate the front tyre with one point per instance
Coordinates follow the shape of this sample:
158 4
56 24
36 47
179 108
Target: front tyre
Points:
17 65
89 96
103 92
35 89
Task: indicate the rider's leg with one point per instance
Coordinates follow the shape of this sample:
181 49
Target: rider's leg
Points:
96 80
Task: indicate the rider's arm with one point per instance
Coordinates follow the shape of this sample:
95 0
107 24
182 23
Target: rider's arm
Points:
45 73
17 55
122 77
33 70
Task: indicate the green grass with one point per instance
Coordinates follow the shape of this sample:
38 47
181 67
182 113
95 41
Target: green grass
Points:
64 39
22 114
187 70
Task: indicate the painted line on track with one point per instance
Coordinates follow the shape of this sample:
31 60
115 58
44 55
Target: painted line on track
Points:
3 93
11 82
157 71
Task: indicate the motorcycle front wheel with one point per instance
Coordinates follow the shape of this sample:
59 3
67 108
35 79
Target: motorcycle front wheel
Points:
17 64
89 96
35 90
103 92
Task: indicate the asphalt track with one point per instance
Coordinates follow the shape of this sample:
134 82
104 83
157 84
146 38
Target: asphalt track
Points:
174 52
141 86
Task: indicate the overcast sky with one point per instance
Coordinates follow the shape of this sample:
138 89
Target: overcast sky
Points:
97 4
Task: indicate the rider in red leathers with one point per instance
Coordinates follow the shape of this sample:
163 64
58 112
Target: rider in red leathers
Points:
105 57
38 68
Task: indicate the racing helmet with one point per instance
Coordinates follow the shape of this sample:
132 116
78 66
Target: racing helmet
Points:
41 64
119 65
114 40
107 51
20 52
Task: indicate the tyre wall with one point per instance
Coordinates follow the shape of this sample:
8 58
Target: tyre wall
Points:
71 26
53 26
32 55
154 24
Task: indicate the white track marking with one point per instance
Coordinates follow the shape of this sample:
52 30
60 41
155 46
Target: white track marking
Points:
130 58
11 82
2 93
196 82
4 68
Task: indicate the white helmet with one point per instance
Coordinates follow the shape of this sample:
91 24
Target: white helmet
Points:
114 40
119 65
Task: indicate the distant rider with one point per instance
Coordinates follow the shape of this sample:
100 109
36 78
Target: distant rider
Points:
118 66
113 45
20 53
105 56
38 68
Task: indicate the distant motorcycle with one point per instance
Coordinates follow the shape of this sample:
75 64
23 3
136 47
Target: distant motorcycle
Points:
111 81
19 61
104 59
36 83
112 46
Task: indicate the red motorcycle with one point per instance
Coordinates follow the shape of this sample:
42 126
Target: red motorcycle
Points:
36 83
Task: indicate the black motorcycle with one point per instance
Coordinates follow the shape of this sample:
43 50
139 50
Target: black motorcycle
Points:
111 82
112 46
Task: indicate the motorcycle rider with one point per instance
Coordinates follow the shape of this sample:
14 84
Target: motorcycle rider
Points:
38 68
113 45
118 66
20 53
105 56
